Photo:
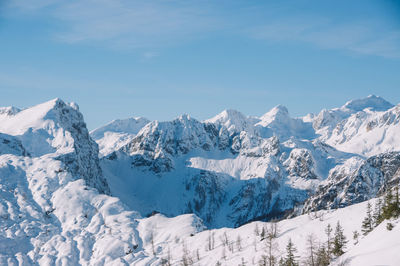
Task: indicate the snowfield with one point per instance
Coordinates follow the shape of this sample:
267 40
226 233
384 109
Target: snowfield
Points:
380 247
195 192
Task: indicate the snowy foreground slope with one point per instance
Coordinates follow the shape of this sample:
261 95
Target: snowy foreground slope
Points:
172 241
62 202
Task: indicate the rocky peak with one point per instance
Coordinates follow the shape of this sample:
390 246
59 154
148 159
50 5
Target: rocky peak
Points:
301 164
57 129
234 121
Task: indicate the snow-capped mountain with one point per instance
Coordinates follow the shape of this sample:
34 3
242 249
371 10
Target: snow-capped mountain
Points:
330 122
232 169
367 132
57 130
234 121
51 207
188 175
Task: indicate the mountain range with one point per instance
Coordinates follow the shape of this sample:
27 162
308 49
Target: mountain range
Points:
127 192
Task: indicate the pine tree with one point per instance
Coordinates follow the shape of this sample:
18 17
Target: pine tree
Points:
397 202
388 205
290 259
377 216
367 223
322 258
328 231
339 242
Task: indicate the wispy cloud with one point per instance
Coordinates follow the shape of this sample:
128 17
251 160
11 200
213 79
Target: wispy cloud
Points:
125 23
130 24
362 37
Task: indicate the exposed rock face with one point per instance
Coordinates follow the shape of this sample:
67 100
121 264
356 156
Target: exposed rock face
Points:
300 163
209 194
158 142
83 162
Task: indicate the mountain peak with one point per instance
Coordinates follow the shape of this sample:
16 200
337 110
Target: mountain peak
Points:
227 114
278 111
233 120
33 117
376 103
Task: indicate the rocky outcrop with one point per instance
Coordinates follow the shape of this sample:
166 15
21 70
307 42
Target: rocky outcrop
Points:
368 180
300 163
58 130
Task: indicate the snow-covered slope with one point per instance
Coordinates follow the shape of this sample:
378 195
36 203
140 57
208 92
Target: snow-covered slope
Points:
329 118
117 133
368 133
365 126
178 240
279 123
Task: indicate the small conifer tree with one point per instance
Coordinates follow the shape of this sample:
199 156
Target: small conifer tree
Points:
322 258
367 223
339 242
290 259
377 216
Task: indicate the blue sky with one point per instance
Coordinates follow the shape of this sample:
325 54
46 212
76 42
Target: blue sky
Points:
159 59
